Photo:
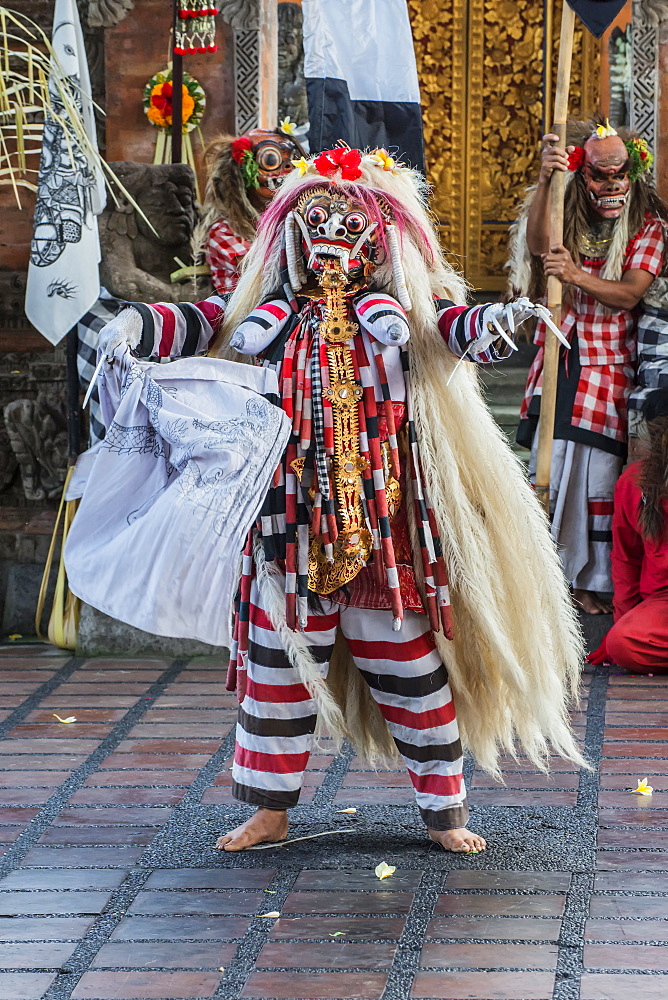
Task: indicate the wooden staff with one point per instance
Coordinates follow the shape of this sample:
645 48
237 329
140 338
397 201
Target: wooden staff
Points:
554 287
177 92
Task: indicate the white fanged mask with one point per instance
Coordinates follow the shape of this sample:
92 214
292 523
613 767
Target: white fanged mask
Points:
335 226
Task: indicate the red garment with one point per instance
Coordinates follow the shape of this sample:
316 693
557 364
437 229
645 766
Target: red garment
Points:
638 641
639 565
639 638
606 343
224 252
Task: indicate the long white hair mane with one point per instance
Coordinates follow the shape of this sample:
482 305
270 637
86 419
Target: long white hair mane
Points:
515 661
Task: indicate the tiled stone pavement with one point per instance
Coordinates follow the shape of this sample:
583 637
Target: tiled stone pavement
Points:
110 888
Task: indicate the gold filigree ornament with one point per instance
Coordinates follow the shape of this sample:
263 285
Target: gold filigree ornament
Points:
342 393
392 486
354 543
336 327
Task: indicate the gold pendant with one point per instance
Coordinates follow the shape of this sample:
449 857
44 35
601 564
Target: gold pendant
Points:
354 544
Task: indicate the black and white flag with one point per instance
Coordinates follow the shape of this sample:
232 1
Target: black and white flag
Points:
361 77
63 275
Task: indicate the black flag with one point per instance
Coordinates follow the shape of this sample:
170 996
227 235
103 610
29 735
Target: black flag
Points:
597 15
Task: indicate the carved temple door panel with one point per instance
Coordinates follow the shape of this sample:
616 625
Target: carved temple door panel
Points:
482 78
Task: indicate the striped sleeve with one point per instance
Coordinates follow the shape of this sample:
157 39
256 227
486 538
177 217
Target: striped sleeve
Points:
462 326
383 318
262 327
175 330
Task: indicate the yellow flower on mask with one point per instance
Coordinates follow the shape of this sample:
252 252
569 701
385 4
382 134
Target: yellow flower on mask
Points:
605 131
302 165
382 158
287 127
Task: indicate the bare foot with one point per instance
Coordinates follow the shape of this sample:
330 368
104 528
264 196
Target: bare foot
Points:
590 603
460 841
266 826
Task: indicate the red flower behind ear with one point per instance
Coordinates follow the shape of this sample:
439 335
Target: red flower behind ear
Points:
576 158
345 160
239 147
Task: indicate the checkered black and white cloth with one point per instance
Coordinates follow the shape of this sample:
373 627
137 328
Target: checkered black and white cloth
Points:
652 370
88 332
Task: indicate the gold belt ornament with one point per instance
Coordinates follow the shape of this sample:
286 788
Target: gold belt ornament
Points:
354 544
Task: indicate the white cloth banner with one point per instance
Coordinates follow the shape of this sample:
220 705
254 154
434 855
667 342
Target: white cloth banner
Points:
63 276
361 77
367 43
171 492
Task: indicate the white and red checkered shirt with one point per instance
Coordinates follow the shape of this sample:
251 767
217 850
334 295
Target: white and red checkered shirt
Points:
606 343
224 250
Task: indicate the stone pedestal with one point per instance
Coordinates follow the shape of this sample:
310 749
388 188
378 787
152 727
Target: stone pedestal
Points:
100 635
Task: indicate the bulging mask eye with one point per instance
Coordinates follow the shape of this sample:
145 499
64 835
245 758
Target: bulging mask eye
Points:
269 158
316 216
356 223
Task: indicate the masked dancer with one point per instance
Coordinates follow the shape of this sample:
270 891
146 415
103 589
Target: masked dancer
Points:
400 565
613 250
243 175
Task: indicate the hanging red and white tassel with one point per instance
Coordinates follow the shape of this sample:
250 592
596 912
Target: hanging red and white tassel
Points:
195 27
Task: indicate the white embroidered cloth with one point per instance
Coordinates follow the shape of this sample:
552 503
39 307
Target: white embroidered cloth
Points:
170 494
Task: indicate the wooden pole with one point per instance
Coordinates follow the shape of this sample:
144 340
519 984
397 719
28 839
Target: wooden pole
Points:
268 97
554 287
548 52
177 93
73 404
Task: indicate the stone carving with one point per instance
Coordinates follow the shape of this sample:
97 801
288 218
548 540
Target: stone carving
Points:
12 299
291 83
620 56
106 13
242 15
650 11
35 447
8 461
246 80
136 263
645 31
37 433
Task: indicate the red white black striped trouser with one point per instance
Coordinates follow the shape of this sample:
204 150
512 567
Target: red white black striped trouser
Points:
407 679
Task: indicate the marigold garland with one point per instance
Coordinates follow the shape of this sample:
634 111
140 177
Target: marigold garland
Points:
158 94
641 157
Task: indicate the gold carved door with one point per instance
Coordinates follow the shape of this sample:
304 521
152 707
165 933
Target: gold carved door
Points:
481 68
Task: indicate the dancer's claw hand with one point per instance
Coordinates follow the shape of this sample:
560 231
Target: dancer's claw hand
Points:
503 319
123 330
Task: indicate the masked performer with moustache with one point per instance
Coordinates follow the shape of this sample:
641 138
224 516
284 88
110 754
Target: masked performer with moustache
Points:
613 249
400 564
243 176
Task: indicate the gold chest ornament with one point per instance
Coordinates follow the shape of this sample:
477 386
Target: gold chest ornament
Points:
354 544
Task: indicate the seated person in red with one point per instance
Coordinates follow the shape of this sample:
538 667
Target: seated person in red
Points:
638 640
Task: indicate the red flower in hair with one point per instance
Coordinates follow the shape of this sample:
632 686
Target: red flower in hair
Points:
576 158
346 160
239 147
